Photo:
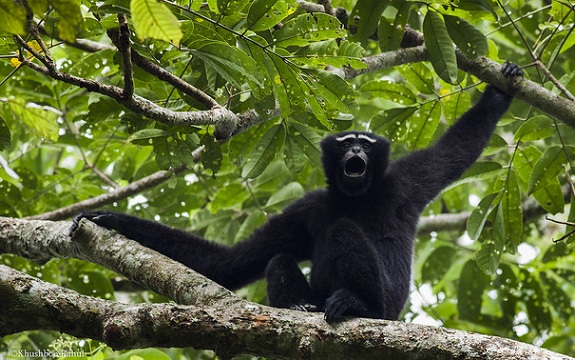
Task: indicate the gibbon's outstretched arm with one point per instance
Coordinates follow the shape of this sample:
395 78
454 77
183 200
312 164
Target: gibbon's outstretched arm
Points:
429 171
231 267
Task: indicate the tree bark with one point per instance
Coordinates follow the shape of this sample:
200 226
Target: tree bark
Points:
216 318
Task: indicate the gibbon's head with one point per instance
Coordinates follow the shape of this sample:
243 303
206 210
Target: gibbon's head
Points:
353 159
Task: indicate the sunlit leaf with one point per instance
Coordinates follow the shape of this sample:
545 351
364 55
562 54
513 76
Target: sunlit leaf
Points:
264 14
154 20
231 7
70 18
43 120
308 28
13 17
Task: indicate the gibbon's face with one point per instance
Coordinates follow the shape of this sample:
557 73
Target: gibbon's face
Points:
352 159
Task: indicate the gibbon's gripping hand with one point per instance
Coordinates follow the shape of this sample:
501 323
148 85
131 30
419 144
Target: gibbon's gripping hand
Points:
102 218
510 69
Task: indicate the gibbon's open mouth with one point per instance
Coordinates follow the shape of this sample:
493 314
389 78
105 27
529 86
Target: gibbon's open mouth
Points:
355 166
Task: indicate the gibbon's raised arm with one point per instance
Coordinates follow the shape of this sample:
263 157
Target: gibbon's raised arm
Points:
427 172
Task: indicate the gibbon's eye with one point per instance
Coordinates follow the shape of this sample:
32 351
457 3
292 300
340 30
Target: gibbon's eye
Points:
346 145
366 147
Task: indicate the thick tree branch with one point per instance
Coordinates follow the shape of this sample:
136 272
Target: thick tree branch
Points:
230 327
43 240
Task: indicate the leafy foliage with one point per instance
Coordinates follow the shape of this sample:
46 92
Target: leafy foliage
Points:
61 144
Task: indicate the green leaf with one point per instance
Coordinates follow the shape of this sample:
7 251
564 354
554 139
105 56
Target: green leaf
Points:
147 354
252 222
456 105
550 197
390 34
398 93
145 136
467 37
469 292
549 165
285 195
488 257
437 264
364 19
294 157
536 128
231 7
212 156
419 76
308 141
478 216
265 14
391 121
70 18
13 17
265 151
321 61
536 303
308 28
332 92
231 196
154 20
422 125
440 47
508 224
231 63
43 120
5 137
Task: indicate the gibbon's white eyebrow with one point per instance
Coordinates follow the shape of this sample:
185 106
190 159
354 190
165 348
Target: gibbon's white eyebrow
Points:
348 136
365 137
355 136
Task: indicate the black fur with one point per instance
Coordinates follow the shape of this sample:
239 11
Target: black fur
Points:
358 233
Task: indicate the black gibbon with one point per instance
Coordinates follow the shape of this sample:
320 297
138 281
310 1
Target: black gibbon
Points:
358 233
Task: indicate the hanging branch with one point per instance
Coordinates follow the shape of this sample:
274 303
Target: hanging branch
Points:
125 49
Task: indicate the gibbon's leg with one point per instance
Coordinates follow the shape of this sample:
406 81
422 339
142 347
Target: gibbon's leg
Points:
348 273
287 286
